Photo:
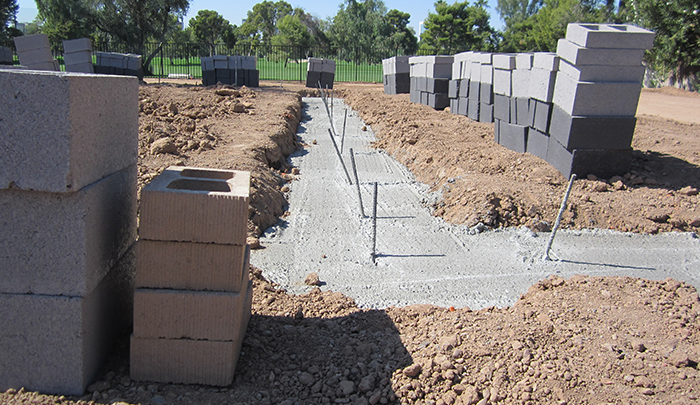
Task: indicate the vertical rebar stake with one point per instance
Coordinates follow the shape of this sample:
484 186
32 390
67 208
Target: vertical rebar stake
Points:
374 225
558 220
342 139
357 182
335 145
332 103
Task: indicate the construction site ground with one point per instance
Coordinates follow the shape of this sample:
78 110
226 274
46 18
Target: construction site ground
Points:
577 340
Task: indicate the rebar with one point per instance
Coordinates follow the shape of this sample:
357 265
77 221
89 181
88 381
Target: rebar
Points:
558 220
335 145
342 139
357 182
374 225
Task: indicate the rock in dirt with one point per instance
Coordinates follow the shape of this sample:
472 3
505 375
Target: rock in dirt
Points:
238 108
253 242
312 279
689 191
412 371
163 145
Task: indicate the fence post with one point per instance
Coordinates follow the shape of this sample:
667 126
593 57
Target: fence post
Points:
357 61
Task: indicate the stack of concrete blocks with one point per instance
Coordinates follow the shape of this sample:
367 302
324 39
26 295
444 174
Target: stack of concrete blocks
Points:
542 79
121 64
458 88
595 98
512 74
235 70
77 55
68 214
193 296
430 80
320 71
397 76
34 52
6 57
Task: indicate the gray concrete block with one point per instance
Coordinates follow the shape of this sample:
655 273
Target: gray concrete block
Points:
453 89
77 45
602 99
603 163
618 36
522 116
486 74
473 109
43 66
546 60
523 61
454 105
437 85
464 88
580 56
513 110
31 42
486 93
438 70
485 112
496 130
521 82
592 132
501 107
86 67
475 71
35 56
602 73
328 66
312 79
474 90
57 344
504 61
513 136
402 82
75 58
542 84
542 115
537 143
502 81
463 106
424 97
414 96
64 243
438 101
220 63
60 132
485 58
133 62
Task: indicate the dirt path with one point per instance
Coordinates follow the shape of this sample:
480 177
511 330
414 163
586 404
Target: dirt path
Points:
670 103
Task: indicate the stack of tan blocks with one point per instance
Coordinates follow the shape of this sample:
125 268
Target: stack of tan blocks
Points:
193 296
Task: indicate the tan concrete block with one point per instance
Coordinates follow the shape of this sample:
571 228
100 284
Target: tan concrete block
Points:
189 361
191 266
180 314
188 204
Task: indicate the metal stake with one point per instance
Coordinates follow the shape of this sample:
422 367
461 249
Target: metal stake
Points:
335 145
374 226
558 220
342 139
357 182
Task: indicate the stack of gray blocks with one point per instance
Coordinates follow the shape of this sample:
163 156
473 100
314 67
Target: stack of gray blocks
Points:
77 55
320 71
471 87
6 57
430 79
34 52
121 64
69 147
235 70
396 73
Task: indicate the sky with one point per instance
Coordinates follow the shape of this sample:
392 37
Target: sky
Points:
236 11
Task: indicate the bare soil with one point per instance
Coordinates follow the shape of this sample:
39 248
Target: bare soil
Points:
577 341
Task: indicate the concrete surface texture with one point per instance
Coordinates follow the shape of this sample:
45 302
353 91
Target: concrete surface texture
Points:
419 258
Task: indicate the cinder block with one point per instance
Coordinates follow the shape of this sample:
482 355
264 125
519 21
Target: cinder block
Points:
35 56
77 45
523 61
502 82
501 107
191 266
63 131
504 61
439 70
102 70
464 88
328 66
423 84
437 85
513 136
496 130
313 79
523 111
474 90
475 71
487 74
220 63
546 60
473 109
57 344
75 58
207 63
521 82
209 77
617 36
133 62
414 96
603 163
513 110
86 67
64 243
596 73
485 58
580 56
485 112
180 314
542 84
43 66
592 132
402 83
327 80
188 204
542 115
189 361
31 42
537 143
438 101
486 93
453 89
600 99
454 105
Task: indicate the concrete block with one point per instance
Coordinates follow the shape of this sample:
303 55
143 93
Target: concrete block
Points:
456 70
513 136
474 90
523 61
603 163
35 56
522 116
537 143
463 106
312 79
592 132
466 70
75 58
207 63
473 109
439 70
513 110
328 66
133 62
77 45
453 89
475 71
220 64
542 115
618 36
189 361
422 84
43 66
486 74
327 80
191 266
542 84
521 82
208 77
57 344
64 243
580 56
486 93
485 112
454 105
485 58
464 88
402 83
234 62
421 70
601 99
502 82
501 107
31 42
598 73
187 204
437 85
102 70
438 101
181 314
61 131
546 60
504 61
316 60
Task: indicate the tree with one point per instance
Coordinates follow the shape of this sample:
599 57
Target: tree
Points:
65 19
401 36
210 28
262 22
317 27
515 11
458 27
291 32
360 24
8 16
